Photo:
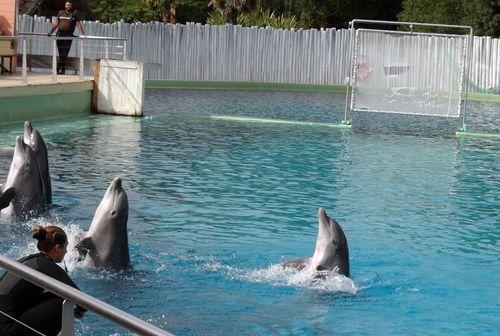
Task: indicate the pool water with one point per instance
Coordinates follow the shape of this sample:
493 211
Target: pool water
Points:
216 205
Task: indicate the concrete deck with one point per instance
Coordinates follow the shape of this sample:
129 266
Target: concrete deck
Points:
43 99
36 78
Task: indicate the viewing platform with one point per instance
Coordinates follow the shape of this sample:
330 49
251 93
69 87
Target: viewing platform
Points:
98 78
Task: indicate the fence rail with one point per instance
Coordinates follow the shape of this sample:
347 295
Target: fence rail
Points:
199 52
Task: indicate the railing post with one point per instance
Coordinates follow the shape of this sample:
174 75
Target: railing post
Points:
106 49
125 50
25 69
68 319
81 59
54 61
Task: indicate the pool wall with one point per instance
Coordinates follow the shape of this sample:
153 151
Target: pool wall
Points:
45 101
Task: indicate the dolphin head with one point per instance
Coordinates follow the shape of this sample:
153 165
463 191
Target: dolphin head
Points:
24 178
112 212
23 163
331 246
35 141
33 138
108 231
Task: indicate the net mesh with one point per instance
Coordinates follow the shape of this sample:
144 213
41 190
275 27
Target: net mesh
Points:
408 73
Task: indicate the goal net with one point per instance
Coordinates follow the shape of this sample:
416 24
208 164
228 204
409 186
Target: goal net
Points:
408 72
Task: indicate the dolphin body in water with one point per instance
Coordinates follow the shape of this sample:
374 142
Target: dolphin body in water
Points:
331 249
106 241
28 177
34 139
25 180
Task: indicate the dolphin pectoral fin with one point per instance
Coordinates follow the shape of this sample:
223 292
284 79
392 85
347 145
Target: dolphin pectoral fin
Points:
83 247
6 197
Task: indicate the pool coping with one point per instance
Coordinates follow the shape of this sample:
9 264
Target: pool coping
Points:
222 85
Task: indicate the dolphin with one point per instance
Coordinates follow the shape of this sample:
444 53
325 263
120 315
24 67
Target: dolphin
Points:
331 249
24 177
33 138
106 241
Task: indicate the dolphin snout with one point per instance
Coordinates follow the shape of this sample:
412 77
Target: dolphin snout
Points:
28 127
28 132
19 144
117 182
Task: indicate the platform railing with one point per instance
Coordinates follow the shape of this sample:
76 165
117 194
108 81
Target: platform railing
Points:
91 41
74 296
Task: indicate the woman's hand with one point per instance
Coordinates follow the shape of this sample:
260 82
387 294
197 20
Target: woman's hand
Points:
79 312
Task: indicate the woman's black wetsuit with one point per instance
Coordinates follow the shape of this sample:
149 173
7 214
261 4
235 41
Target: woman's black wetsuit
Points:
29 303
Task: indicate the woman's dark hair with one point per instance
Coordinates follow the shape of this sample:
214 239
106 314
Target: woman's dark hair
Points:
48 237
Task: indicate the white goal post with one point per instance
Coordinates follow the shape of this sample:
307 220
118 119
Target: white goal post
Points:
407 71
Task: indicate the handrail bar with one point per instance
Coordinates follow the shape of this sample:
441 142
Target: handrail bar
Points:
34 35
82 299
421 24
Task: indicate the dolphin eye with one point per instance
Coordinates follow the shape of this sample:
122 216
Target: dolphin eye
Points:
113 213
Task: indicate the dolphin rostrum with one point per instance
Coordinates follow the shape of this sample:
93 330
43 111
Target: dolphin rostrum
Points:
106 241
331 249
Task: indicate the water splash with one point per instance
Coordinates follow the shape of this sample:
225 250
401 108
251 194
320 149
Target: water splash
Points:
276 275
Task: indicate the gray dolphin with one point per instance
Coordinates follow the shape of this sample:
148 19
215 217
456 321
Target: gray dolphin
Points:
106 241
331 249
25 179
33 138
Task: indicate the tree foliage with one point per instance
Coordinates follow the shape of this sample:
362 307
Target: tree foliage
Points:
483 15
258 18
115 10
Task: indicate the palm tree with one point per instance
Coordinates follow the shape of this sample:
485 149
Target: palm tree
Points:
229 8
163 9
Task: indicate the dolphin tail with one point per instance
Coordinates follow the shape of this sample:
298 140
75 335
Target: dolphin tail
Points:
6 197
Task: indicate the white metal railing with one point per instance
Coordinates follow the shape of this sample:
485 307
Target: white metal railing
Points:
89 47
74 296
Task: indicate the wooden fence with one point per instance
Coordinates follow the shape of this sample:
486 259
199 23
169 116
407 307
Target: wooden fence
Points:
197 52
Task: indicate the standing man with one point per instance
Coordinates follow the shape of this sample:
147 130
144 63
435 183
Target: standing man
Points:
65 23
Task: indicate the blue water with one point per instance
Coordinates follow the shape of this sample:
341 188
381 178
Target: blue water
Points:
216 205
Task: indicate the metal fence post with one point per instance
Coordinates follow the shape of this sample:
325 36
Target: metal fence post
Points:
125 50
68 320
54 61
106 51
25 70
81 59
